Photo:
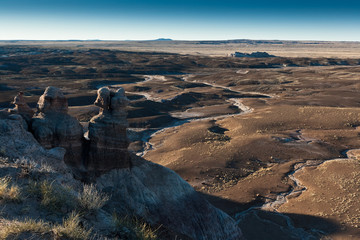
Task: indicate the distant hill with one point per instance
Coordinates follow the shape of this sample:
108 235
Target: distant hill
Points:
162 39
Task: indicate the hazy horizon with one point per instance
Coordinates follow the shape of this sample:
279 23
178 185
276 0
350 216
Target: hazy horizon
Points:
173 40
185 20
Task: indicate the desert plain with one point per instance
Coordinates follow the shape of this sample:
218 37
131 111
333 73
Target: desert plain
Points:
271 141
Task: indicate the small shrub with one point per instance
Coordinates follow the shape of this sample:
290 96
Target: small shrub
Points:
8 191
138 229
71 229
91 199
15 228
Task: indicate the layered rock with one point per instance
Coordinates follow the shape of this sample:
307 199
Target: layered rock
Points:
21 107
107 132
53 127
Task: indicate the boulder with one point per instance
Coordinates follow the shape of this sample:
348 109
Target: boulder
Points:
53 127
108 141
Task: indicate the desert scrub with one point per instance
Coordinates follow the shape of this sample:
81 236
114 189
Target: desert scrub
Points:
133 229
91 199
71 229
53 196
14 229
9 191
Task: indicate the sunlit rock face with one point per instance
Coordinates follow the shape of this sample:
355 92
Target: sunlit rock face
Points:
53 127
107 132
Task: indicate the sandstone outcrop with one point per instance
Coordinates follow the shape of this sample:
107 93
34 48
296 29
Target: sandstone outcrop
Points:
53 127
21 107
107 132
19 144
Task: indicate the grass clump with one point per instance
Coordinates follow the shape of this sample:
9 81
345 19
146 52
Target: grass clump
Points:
71 229
31 229
56 197
91 199
14 229
135 229
9 191
53 196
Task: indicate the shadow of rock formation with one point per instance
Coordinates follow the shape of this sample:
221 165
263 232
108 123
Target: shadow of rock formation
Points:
266 225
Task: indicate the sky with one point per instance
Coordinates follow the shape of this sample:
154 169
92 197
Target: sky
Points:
180 20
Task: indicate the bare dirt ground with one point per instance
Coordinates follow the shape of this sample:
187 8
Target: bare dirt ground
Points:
237 129
310 49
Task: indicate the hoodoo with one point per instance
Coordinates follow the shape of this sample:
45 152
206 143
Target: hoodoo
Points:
53 127
107 132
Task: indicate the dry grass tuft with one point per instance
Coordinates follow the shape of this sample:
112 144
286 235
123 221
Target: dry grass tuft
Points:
91 199
138 229
53 196
16 228
71 229
9 191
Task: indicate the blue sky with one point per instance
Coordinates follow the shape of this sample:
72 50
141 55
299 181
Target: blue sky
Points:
181 20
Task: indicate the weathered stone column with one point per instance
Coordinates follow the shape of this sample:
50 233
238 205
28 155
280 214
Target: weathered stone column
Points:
52 126
107 132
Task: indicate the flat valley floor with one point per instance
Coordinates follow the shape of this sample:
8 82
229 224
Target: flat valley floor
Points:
271 141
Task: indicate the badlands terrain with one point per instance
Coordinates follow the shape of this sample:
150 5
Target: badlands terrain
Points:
270 141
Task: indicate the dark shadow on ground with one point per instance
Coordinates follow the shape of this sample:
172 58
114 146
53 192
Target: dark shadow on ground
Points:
265 225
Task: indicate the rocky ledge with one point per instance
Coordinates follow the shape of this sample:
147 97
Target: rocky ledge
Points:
137 187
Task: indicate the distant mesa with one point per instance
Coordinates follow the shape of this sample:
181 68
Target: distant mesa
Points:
163 39
252 55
